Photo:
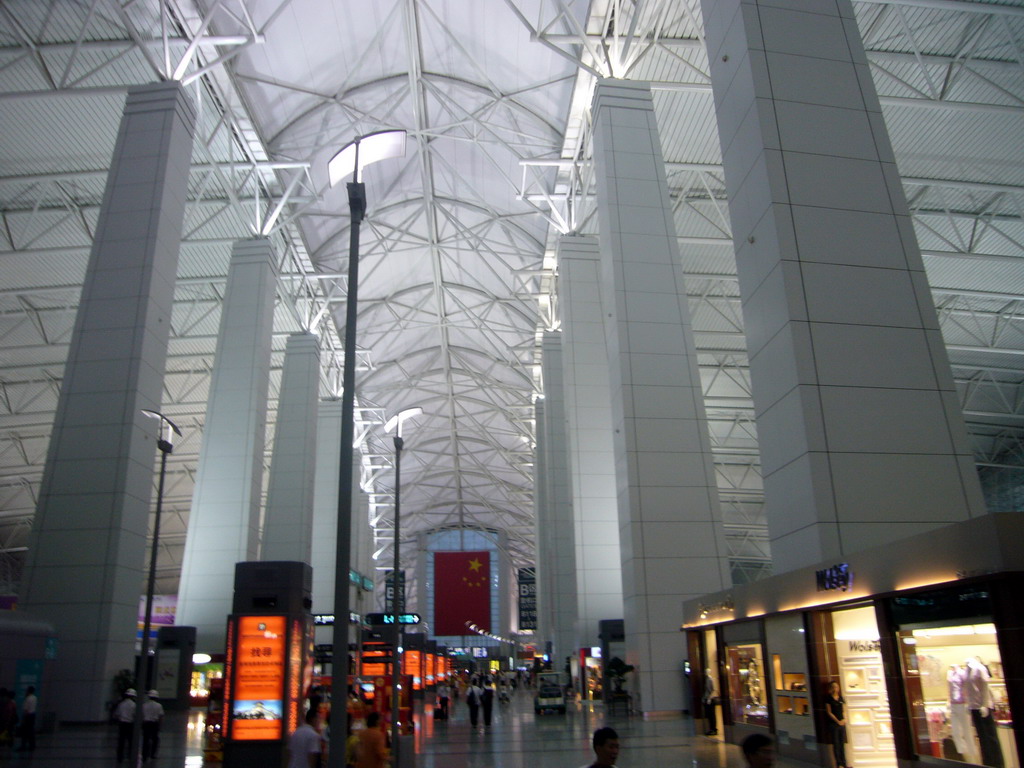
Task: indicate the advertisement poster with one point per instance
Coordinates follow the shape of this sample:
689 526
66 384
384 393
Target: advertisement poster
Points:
168 667
258 700
164 609
527 599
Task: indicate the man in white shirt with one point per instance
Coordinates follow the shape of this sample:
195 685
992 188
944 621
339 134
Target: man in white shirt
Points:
28 720
152 715
304 744
124 714
442 699
474 697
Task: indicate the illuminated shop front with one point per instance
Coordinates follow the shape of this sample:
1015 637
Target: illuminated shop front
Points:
925 638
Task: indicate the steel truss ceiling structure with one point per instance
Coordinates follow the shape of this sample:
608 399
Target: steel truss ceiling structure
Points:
458 247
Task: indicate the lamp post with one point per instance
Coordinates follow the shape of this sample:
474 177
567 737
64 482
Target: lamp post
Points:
163 442
397 606
352 158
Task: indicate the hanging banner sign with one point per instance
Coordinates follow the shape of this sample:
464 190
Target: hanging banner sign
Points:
527 599
257 706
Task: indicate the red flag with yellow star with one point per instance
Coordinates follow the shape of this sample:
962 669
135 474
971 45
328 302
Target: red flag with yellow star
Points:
462 592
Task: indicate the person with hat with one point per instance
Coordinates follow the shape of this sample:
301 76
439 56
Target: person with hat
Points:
124 714
152 716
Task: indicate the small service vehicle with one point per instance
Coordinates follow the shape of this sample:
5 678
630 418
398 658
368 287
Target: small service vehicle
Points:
550 696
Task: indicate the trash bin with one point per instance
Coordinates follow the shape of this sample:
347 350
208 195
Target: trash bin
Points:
407 752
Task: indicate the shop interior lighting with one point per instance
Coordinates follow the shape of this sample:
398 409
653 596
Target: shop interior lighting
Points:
970 629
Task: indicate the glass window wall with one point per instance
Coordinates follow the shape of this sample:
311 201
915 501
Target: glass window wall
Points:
748 695
954 677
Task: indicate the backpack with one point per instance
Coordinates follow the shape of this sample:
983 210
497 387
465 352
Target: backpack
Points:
471 697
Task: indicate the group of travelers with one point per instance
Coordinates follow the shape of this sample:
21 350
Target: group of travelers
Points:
365 747
14 726
480 693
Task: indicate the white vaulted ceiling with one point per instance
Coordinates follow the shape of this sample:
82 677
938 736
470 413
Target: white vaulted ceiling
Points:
458 245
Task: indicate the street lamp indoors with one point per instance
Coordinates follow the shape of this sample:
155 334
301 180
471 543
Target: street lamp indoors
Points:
164 443
352 158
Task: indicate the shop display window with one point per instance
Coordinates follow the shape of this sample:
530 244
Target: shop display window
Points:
869 736
957 694
747 687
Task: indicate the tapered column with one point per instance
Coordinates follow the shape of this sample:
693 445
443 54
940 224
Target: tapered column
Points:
325 513
84 567
542 523
562 564
673 547
288 522
588 411
223 523
861 434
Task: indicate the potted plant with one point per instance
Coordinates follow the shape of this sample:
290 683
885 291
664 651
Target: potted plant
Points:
617 670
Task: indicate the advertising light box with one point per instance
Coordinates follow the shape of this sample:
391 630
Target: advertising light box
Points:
257 708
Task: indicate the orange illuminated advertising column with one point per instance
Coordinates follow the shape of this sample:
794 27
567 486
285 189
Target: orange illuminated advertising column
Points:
257 705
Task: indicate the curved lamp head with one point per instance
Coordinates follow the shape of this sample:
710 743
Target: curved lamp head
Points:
165 423
364 151
395 422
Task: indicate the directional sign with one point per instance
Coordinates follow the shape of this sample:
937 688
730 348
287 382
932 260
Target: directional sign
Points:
389 618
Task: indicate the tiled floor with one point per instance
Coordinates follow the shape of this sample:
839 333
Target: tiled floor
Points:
516 739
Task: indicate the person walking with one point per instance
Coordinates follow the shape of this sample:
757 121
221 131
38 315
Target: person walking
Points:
124 714
28 720
152 716
758 751
836 719
304 743
606 748
474 694
372 751
487 702
442 699
8 717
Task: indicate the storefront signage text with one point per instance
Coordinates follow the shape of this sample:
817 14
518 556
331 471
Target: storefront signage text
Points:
865 646
839 577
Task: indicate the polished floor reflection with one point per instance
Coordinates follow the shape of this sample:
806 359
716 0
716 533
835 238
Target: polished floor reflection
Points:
516 739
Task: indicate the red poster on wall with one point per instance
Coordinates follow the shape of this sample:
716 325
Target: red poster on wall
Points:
462 591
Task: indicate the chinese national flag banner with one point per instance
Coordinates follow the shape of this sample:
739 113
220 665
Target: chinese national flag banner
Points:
462 591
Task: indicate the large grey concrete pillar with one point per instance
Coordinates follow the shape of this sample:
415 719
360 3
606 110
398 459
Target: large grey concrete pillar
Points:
84 567
861 433
325 518
223 525
588 409
325 505
288 521
673 545
542 523
559 528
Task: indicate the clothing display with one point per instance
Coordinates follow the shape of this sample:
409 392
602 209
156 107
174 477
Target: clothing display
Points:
959 717
978 698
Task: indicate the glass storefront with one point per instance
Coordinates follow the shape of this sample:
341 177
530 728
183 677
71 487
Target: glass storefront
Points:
785 637
748 696
953 674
